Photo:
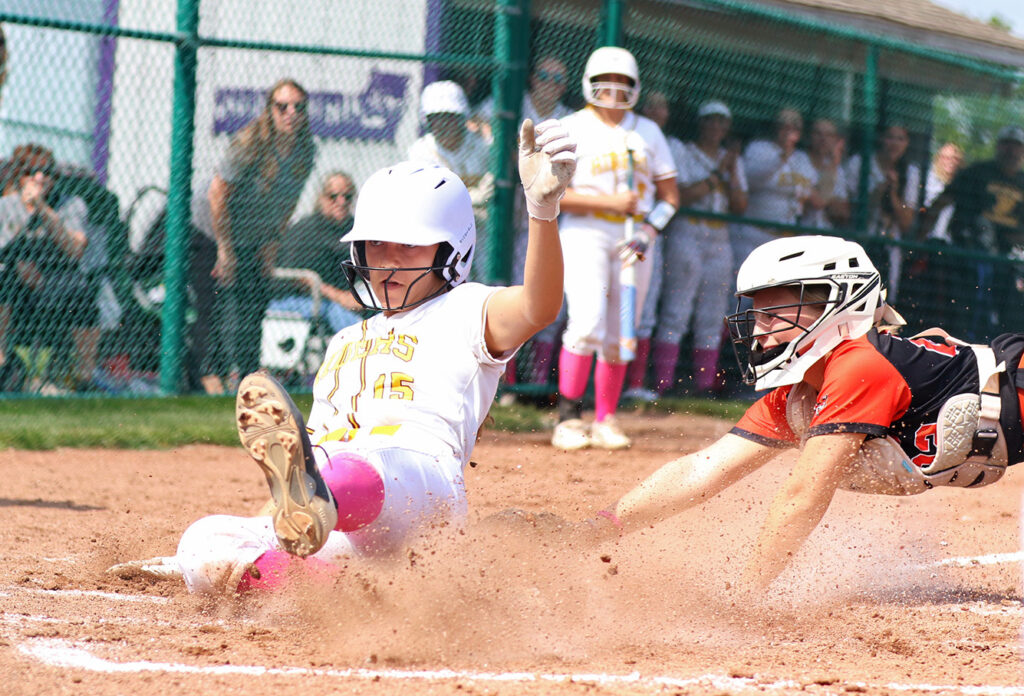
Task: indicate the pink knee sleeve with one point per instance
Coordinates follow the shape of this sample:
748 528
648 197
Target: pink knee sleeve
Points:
272 570
573 373
357 488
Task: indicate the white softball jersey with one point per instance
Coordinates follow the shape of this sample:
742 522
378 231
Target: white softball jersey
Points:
698 260
421 379
777 186
602 160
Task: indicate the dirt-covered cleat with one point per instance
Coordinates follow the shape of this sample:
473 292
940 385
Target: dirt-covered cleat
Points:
572 434
271 428
608 435
157 568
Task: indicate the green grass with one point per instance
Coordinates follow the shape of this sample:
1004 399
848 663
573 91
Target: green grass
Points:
161 423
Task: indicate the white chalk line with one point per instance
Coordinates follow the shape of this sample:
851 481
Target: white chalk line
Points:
988 559
145 599
63 654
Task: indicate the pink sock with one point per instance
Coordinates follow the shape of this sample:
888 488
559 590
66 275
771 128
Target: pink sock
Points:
543 352
608 379
357 488
573 373
271 572
705 365
666 355
638 368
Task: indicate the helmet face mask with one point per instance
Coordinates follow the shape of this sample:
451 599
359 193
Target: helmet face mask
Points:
749 327
412 204
357 272
834 294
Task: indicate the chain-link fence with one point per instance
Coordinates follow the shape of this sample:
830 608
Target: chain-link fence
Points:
177 173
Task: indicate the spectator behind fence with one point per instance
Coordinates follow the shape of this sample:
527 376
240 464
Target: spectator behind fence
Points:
893 186
945 164
241 215
988 216
314 243
45 298
826 150
543 101
449 143
781 180
697 258
656 108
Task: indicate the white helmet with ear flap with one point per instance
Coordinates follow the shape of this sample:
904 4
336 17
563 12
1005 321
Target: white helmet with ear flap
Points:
611 60
415 203
829 275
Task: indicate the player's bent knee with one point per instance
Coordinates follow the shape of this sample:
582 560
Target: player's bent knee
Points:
357 487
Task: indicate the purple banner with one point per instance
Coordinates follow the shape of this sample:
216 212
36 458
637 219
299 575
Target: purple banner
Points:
373 114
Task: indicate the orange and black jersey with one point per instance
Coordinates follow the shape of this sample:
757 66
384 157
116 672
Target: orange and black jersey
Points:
883 385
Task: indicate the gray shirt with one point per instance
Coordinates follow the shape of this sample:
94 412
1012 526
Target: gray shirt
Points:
257 208
14 215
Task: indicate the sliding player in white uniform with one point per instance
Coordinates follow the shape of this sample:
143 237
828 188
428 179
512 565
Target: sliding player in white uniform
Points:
400 397
596 207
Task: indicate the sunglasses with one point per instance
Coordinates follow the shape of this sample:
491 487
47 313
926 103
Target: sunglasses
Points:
347 195
282 107
556 77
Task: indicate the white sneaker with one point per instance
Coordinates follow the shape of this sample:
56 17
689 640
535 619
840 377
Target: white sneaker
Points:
572 434
608 435
640 394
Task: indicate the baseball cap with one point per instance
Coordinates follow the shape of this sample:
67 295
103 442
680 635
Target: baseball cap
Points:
444 97
1015 133
713 108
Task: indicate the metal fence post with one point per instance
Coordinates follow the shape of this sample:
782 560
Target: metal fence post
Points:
867 146
611 30
507 90
172 335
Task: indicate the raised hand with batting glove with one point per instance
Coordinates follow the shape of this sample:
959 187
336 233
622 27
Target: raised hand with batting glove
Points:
547 161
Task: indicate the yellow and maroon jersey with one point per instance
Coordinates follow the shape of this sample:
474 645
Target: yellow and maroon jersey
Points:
883 385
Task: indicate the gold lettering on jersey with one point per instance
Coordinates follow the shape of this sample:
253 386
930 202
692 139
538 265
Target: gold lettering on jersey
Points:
1007 198
618 162
402 347
406 347
792 179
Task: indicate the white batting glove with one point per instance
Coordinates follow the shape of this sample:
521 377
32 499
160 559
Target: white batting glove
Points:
547 161
635 249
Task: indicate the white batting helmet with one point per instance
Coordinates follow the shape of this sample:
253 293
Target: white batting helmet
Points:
825 272
412 203
612 60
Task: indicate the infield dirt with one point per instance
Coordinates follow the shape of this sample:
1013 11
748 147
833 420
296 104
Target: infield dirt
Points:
864 607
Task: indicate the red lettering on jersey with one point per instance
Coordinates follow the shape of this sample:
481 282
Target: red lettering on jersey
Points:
942 348
924 441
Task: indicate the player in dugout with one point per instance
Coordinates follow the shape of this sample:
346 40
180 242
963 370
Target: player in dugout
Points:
400 397
869 411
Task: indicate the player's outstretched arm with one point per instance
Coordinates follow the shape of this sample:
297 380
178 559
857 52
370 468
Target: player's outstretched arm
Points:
691 480
800 504
547 160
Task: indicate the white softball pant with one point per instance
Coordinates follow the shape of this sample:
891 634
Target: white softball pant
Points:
593 287
419 491
697 282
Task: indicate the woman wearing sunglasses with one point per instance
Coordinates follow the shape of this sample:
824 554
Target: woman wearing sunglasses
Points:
241 215
313 243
